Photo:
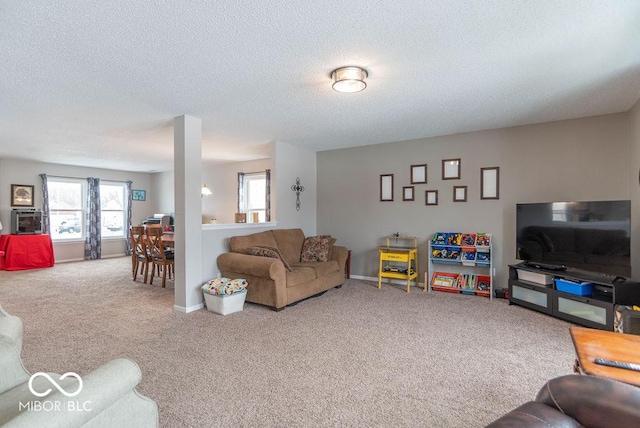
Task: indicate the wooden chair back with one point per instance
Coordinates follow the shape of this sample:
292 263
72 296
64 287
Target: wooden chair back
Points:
158 255
139 255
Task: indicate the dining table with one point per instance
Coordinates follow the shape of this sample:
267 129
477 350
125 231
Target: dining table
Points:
167 240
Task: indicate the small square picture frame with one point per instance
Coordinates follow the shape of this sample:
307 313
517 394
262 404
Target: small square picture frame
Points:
139 195
22 195
419 174
408 193
431 197
459 193
451 169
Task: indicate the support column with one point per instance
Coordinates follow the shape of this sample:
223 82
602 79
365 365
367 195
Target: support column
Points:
187 155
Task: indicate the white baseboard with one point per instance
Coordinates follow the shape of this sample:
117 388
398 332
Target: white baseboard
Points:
69 260
111 256
189 309
386 280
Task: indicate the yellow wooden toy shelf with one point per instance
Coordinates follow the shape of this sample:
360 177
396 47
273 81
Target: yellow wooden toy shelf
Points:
399 261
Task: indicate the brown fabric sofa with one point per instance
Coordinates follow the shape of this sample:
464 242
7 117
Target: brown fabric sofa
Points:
270 283
578 401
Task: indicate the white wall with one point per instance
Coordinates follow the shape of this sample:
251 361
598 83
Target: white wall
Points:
222 180
162 190
582 159
27 172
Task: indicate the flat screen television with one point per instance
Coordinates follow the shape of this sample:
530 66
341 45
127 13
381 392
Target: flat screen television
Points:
592 236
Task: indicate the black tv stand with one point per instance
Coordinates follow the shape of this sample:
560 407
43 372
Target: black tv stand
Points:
538 292
547 266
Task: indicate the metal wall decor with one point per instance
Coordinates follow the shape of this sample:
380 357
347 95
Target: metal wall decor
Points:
297 188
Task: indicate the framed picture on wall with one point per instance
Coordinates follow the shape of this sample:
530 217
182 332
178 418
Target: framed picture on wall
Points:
459 193
419 174
21 195
139 195
407 193
431 197
490 183
451 169
386 187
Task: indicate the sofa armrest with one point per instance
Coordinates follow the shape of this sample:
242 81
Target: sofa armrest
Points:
103 390
340 255
261 267
593 401
11 331
13 371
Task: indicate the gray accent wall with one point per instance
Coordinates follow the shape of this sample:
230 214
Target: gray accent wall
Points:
634 186
572 160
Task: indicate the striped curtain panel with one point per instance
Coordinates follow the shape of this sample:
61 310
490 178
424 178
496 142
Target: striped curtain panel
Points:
267 204
129 250
241 192
46 223
92 242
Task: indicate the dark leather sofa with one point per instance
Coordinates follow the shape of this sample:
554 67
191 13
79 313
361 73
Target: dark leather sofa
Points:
578 401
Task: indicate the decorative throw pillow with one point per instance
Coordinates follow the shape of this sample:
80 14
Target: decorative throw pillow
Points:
271 252
316 248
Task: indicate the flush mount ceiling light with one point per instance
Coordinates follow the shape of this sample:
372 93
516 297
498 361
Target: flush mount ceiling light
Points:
349 79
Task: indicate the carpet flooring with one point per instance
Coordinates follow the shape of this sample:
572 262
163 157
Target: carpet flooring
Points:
353 357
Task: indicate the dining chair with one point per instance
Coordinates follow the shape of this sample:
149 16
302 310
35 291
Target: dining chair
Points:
140 257
160 258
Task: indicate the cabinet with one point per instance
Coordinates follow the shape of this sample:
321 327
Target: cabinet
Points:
595 310
461 263
399 261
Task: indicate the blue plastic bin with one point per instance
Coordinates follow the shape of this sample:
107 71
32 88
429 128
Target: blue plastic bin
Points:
577 288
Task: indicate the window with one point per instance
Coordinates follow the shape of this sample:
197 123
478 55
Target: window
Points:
67 207
112 209
559 211
67 199
255 196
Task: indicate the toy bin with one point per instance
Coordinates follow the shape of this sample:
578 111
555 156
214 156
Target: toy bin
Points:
445 281
483 286
572 287
454 238
225 304
483 258
468 256
439 238
483 239
444 254
468 239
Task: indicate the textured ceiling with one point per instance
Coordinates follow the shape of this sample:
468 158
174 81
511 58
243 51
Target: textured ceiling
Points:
98 83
